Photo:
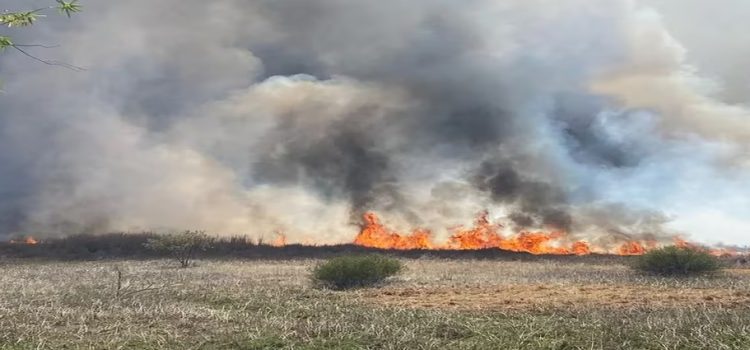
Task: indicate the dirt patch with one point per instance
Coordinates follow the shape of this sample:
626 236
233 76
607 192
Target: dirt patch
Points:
526 297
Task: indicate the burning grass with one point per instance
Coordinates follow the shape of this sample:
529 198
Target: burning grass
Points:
484 239
546 304
134 246
488 235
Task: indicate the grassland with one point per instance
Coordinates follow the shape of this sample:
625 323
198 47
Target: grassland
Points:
435 304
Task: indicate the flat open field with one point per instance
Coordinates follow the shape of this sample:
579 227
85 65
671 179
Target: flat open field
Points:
435 304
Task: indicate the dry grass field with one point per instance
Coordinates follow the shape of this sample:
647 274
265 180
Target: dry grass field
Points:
435 304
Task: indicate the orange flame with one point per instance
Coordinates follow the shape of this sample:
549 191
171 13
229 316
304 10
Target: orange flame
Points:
486 235
280 241
27 240
631 248
375 235
581 248
679 242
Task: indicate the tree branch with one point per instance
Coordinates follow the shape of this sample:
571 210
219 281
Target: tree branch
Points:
48 62
38 45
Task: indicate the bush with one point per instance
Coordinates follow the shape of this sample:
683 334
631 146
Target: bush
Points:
355 271
674 261
182 246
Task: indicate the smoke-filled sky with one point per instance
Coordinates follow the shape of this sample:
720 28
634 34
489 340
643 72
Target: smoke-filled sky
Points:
606 118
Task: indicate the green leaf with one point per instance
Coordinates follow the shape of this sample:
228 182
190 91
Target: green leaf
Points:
68 7
20 19
5 42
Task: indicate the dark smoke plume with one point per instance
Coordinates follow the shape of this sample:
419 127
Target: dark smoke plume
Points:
298 116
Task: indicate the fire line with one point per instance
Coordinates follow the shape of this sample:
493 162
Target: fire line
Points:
486 235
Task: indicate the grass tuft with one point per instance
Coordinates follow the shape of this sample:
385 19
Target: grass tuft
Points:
355 271
674 261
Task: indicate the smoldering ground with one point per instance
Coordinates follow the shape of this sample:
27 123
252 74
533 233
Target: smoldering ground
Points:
296 116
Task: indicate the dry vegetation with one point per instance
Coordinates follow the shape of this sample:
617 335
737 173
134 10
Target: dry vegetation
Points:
435 304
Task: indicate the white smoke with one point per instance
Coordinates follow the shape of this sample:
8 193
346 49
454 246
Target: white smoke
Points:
257 117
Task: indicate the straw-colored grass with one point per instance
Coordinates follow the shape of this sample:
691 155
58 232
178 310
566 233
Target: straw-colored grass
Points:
434 304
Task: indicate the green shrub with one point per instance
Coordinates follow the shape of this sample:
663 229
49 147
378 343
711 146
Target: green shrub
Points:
355 271
181 246
674 261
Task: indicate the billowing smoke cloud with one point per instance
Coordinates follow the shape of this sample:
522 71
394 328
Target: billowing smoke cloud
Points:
298 116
